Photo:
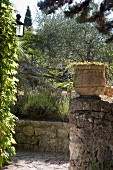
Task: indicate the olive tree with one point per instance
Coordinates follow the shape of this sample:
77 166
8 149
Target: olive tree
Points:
68 40
85 10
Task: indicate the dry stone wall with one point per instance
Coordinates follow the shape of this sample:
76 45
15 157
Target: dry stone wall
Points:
43 136
91 134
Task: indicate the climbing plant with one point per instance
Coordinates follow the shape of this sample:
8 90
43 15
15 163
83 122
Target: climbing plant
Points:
8 65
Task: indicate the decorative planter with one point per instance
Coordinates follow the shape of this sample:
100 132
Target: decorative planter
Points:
109 91
89 79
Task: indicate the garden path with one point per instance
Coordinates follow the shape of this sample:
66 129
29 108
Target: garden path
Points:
26 160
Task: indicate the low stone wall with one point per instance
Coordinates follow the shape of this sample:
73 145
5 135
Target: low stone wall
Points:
91 134
43 136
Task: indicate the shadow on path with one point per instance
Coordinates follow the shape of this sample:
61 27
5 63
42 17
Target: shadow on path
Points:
26 160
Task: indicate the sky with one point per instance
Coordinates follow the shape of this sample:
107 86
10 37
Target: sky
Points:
21 7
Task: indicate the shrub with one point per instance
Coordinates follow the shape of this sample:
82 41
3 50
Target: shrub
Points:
8 65
44 106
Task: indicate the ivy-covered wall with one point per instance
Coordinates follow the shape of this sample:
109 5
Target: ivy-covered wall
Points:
8 65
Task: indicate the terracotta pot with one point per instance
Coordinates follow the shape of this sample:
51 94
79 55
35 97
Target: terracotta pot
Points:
109 94
89 79
108 91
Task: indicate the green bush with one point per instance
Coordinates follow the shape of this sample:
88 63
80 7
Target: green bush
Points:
8 59
44 106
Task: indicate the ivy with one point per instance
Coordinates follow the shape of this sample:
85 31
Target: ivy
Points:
8 65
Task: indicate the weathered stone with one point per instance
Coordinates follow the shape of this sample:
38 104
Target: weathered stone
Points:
104 154
28 147
90 134
43 136
39 131
75 105
109 117
28 130
89 79
106 106
86 105
18 129
48 145
62 146
96 105
20 123
66 126
31 140
97 115
20 138
57 124
62 133
41 124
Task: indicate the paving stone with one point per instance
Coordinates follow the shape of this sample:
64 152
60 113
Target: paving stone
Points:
26 160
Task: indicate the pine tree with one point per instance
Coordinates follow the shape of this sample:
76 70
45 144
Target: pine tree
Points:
28 19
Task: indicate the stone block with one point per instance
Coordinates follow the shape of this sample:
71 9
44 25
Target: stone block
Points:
28 130
66 126
62 146
90 133
109 117
28 147
20 138
48 145
75 105
39 131
43 136
86 105
20 123
98 115
57 124
62 133
46 132
41 124
106 107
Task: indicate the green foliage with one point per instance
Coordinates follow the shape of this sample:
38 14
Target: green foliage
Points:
64 85
28 20
8 64
68 40
64 106
44 106
41 99
111 71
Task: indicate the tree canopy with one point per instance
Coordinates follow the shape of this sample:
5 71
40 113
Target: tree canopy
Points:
66 39
86 12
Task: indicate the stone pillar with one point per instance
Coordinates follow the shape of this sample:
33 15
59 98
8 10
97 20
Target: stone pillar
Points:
91 134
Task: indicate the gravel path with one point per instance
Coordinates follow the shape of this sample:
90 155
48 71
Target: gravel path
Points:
25 160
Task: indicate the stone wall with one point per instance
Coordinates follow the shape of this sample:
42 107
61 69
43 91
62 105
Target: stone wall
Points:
91 134
43 136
